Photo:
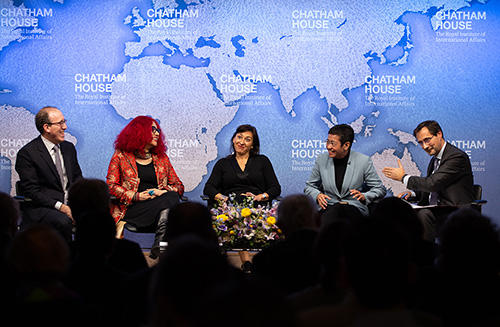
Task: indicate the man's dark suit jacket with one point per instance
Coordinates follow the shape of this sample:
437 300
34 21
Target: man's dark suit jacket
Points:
452 180
39 178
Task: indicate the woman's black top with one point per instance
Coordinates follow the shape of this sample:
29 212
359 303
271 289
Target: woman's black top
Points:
258 177
147 176
145 214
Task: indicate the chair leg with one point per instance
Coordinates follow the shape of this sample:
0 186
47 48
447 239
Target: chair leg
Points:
161 229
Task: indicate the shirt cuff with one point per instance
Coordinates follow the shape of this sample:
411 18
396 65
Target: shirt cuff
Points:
405 180
58 205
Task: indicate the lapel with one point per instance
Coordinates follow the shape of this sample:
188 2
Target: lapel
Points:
330 168
66 159
47 158
158 169
446 152
430 168
130 158
349 173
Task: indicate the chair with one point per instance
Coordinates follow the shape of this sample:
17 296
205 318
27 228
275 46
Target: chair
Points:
478 197
21 200
19 194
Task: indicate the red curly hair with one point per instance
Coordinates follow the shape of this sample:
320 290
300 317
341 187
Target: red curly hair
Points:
137 134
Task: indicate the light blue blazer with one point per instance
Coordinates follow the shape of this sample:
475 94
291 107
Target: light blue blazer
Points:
360 174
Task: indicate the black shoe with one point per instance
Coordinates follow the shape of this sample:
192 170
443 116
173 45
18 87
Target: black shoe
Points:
154 253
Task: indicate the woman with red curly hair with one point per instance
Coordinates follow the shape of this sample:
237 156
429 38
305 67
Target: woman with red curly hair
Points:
142 179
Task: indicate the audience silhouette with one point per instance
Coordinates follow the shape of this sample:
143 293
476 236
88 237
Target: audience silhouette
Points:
401 216
91 197
39 259
463 288
8 227
190 218
289 264
354 271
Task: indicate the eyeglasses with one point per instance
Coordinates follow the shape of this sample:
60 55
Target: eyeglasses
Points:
60 123
426 140
332 143
155 129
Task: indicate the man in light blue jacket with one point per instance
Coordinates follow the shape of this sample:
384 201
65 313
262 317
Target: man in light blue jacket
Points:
343 182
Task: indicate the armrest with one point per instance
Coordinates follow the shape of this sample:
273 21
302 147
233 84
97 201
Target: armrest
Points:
21 198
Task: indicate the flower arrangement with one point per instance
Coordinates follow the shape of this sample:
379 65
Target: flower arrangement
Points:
243 226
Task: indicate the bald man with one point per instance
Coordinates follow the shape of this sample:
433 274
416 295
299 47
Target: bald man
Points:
47 167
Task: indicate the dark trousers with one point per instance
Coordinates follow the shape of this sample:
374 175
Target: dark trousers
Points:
340 212
50 216
144 215
432 220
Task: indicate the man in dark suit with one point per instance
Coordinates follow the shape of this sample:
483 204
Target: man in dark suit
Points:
47 166
449 181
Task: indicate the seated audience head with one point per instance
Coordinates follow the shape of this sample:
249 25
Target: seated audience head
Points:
190 218
10 215
245 140
469 245
88 195
329 250
95 233
401 215
190 269
142 133
40 254
339 142
378 266
193 274
296 212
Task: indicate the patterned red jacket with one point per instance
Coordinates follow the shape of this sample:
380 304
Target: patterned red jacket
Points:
123 180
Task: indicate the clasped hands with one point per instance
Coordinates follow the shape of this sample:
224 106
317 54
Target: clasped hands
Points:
258 197
154 192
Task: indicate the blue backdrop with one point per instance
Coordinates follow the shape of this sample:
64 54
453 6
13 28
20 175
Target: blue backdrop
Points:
290 68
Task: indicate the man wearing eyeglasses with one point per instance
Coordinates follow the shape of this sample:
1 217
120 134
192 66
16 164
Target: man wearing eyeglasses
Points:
343 182
47 167
449 180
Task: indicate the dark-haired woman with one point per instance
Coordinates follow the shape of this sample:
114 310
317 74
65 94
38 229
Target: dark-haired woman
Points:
245 172
142 178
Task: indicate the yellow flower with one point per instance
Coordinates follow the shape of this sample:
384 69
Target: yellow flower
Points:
222 217
271 220
259 217
279 231
245 212
231 232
